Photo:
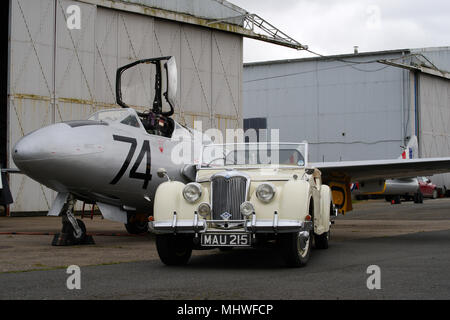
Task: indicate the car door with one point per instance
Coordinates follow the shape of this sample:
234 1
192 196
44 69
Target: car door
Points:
427 187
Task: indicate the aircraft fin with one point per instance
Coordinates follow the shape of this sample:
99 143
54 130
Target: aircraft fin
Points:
112 212
411 151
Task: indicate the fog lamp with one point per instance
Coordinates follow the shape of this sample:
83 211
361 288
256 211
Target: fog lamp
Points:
204 209
247 209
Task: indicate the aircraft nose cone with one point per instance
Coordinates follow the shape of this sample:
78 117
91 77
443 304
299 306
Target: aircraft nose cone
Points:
56 152
37 145
27 148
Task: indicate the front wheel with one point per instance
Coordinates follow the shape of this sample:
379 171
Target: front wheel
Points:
174 250
435 194
296 248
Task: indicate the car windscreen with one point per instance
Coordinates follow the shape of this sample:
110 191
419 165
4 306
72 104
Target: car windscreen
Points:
254 154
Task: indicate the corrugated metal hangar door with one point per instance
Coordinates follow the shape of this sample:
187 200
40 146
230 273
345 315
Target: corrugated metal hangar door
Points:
58 74
434 117
31 89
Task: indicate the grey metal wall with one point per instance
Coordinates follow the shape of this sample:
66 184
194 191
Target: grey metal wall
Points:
57 74
356 112
345 112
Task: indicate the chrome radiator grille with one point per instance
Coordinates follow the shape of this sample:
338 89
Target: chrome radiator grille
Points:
228 193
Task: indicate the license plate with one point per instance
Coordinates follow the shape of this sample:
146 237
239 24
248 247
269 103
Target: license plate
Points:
225 239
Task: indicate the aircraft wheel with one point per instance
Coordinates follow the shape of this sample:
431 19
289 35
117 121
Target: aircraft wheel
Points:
136 226
296 248
70 231
174 250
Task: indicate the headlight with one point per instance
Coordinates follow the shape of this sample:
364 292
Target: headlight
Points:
247 209
192 192
204 209
265 192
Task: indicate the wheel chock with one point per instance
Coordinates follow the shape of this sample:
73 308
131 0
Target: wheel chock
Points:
64 239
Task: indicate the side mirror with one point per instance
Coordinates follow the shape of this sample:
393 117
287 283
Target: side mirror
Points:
309 170
172 80
162 173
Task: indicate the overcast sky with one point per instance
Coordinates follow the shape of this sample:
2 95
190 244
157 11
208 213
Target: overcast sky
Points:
335 26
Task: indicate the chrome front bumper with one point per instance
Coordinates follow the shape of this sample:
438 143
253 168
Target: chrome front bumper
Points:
200 225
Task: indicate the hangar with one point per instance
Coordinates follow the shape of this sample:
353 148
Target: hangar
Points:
54 72
356 106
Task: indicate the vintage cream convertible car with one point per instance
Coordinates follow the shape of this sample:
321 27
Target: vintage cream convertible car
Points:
244 195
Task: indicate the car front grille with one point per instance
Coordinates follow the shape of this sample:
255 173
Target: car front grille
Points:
228 193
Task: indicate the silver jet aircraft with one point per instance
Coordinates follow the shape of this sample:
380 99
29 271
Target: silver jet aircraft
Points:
109 159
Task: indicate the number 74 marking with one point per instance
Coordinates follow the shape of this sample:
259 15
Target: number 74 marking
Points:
145 151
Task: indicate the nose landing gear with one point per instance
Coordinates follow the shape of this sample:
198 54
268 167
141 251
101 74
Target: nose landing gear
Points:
73 230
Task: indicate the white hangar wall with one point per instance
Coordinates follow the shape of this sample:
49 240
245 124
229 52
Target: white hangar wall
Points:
57 74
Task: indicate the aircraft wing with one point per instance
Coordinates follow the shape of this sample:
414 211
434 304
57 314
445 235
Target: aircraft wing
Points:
383 169
338 175
11 170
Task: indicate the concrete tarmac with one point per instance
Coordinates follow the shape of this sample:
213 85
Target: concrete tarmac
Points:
409 242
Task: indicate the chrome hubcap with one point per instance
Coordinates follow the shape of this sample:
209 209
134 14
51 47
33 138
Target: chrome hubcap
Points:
303 239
